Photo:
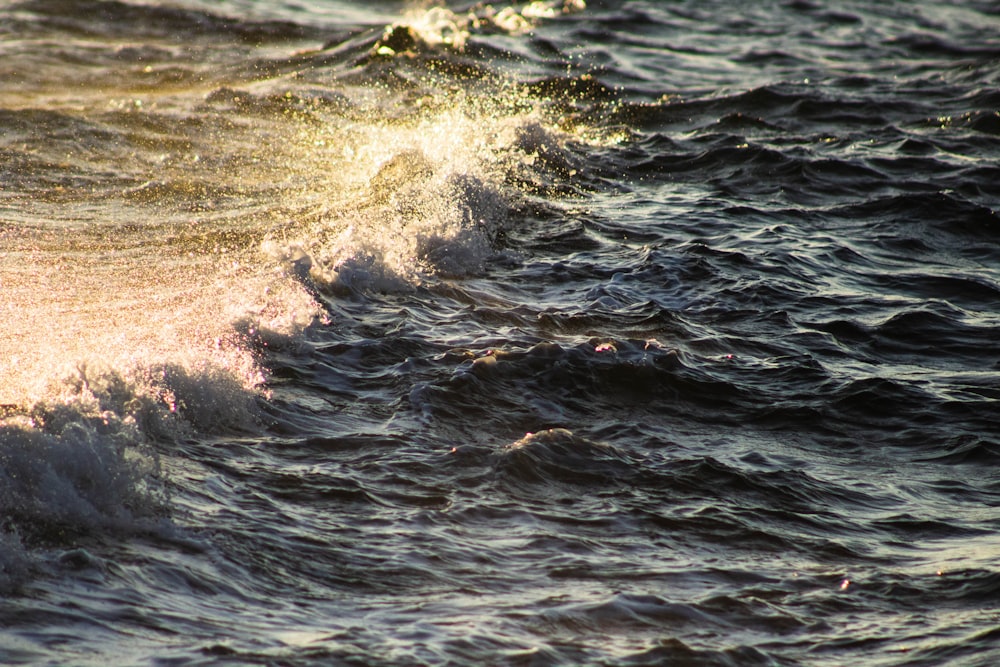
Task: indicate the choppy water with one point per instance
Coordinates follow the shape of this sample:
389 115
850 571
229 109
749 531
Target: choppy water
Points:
626 333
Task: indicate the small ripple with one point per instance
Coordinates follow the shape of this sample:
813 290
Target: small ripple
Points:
558 456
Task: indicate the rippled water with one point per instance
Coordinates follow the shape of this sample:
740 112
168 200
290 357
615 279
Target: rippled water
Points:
556 333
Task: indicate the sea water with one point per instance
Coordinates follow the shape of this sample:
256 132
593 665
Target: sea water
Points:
618 332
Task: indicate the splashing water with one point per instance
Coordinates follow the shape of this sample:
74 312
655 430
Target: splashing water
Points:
136 304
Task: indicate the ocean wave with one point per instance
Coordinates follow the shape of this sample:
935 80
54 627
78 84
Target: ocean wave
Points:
556 455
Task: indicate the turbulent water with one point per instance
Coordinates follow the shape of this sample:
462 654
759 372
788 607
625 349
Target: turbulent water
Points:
623 332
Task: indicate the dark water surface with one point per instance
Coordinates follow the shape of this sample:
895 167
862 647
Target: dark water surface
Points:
634 333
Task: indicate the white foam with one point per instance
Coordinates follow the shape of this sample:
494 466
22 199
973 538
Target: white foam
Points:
438 26
79 450
76 466
423 199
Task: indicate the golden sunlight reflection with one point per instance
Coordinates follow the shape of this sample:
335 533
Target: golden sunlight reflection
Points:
189 248
125 308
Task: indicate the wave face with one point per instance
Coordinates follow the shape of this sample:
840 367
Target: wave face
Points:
549 333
